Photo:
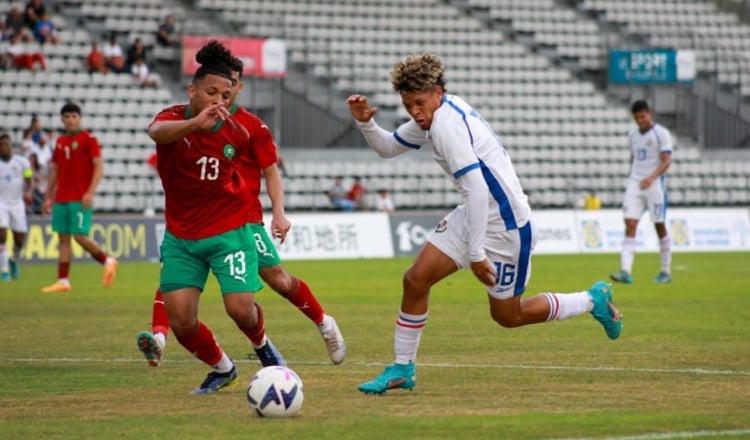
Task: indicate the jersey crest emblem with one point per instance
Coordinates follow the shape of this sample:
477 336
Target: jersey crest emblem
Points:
441 226
75 145
229 151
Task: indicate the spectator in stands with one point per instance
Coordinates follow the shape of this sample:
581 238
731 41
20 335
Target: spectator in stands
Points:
35 129
45 31
338 195
95 60
384 202
137 49
357 193
490 232
591 201
650 156
14 23
33 12
113 56
19 56
165 35
141 73
74 174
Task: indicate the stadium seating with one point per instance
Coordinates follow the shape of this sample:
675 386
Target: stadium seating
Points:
564 135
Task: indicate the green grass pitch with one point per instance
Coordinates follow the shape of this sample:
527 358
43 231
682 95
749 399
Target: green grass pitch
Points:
69 366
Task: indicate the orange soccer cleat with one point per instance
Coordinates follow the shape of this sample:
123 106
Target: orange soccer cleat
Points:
110 270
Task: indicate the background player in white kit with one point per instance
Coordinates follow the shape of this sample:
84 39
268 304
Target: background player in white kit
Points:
15 194
650 155
489 232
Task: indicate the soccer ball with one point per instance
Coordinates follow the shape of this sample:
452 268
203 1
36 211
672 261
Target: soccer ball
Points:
275 391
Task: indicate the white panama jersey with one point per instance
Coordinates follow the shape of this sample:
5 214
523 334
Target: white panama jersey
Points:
12 179
463 141
646 149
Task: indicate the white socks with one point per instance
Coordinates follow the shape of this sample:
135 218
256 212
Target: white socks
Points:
408 332
160 339
225 365
627 254
3 258
566 305
665 252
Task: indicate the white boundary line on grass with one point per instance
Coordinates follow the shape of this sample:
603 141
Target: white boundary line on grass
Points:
696 371
672 435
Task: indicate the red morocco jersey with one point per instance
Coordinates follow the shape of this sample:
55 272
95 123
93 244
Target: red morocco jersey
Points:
204 190
74 156
262 155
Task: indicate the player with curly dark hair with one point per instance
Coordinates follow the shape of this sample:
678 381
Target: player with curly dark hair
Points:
208 223
270 268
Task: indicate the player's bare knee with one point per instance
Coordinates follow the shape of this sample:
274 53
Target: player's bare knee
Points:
281 283
183 327
244 318
505 320
415 284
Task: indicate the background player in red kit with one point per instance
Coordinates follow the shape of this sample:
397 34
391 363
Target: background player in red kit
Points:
74 173
271 270
208 223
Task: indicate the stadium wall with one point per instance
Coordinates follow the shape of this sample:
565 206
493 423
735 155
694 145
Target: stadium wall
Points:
378 235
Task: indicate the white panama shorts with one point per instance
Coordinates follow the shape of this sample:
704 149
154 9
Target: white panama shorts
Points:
509 251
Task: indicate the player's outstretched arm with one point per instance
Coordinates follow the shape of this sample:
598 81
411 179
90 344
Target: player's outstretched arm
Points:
165 132
360 108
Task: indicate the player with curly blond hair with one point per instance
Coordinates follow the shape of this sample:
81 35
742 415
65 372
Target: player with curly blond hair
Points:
490 232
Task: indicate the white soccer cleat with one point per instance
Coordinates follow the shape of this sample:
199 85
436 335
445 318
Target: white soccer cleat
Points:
333 339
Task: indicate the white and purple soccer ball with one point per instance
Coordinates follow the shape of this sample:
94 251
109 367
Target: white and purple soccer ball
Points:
275 391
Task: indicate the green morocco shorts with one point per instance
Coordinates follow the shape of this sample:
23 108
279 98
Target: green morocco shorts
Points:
71 218
231 256
267 255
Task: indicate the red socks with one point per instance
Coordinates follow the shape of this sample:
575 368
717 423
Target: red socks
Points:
302 297
159 317
202 345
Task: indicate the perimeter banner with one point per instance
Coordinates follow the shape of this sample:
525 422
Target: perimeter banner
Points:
264 57
379 235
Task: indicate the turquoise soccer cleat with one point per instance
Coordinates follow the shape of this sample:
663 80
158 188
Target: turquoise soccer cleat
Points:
149 346
663 278
394 376
604 309
15 271
622 277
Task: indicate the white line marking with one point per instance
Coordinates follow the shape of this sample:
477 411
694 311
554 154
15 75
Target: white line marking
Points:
695 371
671 435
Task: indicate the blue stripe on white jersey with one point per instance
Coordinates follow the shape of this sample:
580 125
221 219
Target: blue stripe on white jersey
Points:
462 139
496 189
463 115
465 170
404 143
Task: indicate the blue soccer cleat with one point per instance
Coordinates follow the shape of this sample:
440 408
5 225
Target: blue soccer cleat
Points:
622 277
604 309
394 376
6 276
216 381
269 355
663 278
